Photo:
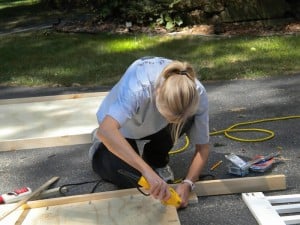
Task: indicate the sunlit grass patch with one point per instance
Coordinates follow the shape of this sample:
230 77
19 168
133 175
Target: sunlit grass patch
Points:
50 58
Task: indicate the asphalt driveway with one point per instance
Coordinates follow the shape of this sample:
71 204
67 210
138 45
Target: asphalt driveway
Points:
230 102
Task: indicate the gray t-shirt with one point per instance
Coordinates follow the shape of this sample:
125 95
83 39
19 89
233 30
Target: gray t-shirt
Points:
132 103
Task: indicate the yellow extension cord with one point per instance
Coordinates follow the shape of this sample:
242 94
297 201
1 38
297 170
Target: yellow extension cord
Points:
233 129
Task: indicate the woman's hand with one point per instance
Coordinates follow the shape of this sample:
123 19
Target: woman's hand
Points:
183 191
159 189
198 162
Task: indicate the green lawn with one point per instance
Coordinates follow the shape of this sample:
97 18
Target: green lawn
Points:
48 58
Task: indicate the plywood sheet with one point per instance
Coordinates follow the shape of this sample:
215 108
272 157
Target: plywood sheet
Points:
128 209
48 121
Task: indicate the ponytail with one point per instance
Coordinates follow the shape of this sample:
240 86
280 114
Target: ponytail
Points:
177 97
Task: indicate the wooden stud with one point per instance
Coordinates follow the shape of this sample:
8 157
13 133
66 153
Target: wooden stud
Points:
51 98
240 185
32 143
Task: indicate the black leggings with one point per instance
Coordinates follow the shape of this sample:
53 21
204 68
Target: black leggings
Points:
155 153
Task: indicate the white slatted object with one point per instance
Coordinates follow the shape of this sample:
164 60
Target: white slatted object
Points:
268 209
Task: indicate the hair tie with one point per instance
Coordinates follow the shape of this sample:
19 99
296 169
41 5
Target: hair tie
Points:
183 72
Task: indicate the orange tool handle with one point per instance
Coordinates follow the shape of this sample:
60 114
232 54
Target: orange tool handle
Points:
174 200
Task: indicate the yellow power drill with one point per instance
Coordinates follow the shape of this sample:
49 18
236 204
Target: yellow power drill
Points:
174 200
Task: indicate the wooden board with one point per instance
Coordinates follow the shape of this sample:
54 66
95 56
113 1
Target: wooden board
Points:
240 185
49 121
129 209
51 98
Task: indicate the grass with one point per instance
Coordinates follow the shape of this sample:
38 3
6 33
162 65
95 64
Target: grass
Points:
50 58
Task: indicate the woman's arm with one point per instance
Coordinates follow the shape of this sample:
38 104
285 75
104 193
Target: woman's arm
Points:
112 138
198 162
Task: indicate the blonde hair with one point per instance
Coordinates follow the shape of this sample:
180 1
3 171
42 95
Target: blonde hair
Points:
177 97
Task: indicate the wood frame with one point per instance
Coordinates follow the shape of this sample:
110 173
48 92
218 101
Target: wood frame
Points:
263 183
217 187
131 198
268 209
53 141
